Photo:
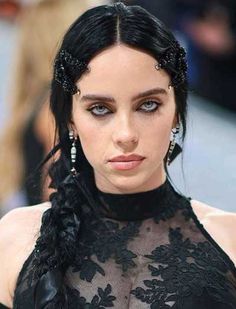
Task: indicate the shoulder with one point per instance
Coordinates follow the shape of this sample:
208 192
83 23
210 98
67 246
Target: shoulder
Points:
19 230
206 212
203 210
219 224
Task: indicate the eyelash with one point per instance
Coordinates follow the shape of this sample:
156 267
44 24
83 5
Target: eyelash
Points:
103 115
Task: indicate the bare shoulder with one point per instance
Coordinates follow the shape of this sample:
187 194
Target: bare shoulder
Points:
207 212
19 230
219 224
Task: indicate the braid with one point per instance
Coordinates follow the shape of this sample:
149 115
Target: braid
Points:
56 246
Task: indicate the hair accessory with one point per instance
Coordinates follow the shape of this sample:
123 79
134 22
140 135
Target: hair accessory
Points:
66 69
73 152
174 61
173 145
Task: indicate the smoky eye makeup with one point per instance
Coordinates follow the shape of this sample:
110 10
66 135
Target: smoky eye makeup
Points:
100 109
150 106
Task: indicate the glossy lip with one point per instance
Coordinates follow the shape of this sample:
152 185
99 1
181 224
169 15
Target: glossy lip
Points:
126 162
131 157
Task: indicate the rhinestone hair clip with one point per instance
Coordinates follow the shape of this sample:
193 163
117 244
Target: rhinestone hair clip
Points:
174 61
66 67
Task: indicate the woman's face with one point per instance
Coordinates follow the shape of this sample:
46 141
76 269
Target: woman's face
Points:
124 107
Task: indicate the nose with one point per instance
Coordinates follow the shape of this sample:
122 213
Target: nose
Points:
125 134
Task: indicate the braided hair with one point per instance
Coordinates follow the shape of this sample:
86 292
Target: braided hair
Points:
96 29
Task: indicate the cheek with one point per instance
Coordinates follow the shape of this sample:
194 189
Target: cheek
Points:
91 138
157 138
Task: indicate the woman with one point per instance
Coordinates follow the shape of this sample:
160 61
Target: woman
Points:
115 232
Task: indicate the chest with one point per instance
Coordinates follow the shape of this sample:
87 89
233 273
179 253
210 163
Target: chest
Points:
149 266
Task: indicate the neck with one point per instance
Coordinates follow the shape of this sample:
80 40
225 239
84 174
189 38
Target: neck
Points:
137 206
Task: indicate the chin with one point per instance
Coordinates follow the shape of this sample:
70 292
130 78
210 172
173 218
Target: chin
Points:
127 183
130 181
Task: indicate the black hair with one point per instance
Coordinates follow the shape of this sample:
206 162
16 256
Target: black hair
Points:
95 30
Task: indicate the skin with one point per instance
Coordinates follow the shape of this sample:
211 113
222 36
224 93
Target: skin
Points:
122 73
133 72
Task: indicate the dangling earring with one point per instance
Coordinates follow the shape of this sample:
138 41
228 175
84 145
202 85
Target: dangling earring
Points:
173 145
73 152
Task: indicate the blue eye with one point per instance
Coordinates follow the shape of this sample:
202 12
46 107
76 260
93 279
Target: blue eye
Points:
152 106
99 110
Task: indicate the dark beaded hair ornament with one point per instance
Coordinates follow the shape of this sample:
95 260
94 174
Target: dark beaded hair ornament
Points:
67 67
174 61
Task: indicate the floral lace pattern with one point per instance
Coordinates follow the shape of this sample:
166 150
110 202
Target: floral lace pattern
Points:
167 260
103 299
186 270
113 243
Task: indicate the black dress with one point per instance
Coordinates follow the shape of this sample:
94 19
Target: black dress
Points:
148 251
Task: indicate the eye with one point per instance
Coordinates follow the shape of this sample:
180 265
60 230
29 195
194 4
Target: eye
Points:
99 108
151 106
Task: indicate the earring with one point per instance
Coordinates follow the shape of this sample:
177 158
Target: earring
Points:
173 144
73 152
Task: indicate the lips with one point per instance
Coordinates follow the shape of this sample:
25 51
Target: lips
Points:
124 163
122 158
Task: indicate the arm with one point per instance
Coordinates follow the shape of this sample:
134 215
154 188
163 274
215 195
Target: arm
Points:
18 232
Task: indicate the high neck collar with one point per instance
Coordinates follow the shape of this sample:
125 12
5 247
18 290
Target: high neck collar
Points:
136 206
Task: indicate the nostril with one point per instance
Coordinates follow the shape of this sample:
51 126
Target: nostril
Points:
127 140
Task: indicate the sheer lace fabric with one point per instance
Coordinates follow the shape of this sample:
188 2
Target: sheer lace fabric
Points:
147 251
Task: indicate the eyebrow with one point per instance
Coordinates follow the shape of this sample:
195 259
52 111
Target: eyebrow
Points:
90 97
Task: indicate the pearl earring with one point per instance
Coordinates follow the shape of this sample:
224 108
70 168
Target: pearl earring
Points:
73 152
175 131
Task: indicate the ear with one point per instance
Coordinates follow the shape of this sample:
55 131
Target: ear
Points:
71 126
175 121
71 123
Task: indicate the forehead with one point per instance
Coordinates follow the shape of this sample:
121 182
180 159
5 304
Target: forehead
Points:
121 67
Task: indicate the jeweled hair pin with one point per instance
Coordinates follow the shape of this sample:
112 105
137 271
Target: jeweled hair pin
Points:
174 61
66 69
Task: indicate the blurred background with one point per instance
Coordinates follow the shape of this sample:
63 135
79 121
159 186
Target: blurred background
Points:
30 32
